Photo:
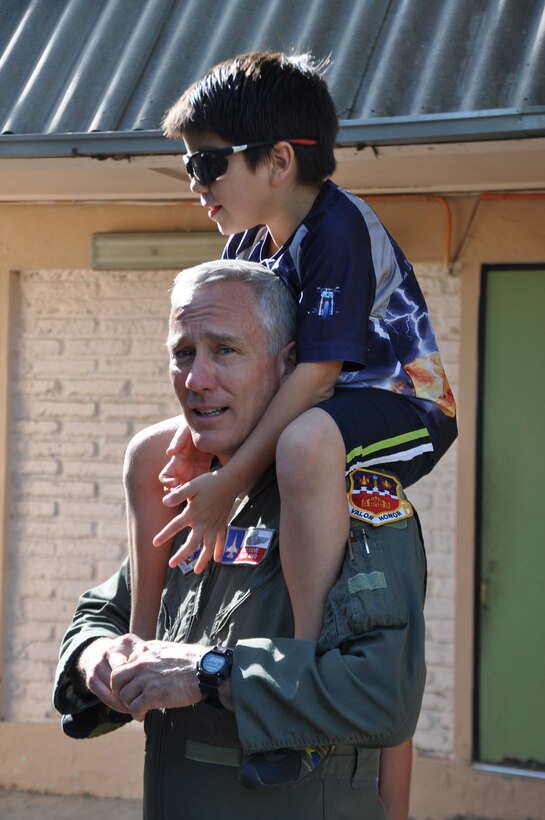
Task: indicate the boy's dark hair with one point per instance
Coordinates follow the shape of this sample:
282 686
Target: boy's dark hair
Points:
258 97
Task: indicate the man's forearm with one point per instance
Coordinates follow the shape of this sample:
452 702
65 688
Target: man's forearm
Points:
358 697
363 682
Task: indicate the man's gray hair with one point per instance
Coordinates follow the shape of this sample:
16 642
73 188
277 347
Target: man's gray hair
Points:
276 307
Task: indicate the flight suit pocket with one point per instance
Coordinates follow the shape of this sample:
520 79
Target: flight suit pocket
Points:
367 594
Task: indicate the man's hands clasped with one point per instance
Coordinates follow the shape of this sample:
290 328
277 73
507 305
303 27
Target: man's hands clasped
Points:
134 676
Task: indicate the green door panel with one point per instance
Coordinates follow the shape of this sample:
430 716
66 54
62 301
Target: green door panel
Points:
511 664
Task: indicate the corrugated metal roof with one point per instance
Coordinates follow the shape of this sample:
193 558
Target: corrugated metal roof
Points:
110 68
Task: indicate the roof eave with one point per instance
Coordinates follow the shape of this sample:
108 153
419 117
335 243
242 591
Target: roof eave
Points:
465 126
471 126
99 145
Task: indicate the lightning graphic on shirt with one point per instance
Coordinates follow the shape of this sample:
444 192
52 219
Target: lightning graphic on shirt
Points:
409 323
379 330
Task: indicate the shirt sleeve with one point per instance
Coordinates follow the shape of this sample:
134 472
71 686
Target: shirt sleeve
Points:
335 263
363 682
102 612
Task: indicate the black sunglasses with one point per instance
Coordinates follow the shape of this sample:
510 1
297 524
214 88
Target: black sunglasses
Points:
206 166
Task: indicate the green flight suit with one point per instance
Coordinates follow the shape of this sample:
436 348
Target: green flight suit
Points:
359 687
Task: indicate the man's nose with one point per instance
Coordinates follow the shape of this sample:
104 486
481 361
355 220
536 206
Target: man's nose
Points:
201 375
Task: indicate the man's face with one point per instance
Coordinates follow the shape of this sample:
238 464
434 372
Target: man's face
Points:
220 368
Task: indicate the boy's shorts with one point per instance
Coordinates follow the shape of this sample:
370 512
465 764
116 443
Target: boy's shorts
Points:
387 431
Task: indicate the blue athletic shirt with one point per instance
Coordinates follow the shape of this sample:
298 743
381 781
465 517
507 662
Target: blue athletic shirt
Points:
358 298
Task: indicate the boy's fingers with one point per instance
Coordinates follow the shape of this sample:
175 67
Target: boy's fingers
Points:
219 544
168 483
168 473
203 559
177 495
189 546
179 556
173 527
177 440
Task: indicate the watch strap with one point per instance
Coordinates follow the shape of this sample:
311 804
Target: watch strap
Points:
209 683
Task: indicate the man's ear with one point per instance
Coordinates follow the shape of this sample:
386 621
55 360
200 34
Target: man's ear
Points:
283 162
287 361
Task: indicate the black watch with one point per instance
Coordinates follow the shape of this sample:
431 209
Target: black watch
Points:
213 668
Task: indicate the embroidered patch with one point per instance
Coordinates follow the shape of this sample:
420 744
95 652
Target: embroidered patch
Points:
189 564
324 306
242 546
246 546
376 497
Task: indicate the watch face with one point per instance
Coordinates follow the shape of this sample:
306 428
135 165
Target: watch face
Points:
212 663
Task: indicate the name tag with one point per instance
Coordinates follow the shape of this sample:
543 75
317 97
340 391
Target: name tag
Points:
242 546
246 546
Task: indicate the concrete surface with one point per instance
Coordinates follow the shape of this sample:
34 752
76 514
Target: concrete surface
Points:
30 806
27 806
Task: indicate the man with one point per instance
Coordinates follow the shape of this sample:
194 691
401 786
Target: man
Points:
358 688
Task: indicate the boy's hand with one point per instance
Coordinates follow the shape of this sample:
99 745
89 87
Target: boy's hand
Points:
186 462
209 502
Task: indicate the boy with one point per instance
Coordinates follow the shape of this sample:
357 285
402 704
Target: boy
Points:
368 391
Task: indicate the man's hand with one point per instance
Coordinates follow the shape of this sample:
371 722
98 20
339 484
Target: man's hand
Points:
97 661
158 674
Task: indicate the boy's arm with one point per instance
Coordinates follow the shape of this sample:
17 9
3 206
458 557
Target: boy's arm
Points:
211 496
144 459
146 514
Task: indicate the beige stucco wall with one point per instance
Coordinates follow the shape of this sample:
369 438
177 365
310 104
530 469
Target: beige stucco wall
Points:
89 369
77 380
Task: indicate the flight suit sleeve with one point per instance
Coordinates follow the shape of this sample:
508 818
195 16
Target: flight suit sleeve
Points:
102 612
362 682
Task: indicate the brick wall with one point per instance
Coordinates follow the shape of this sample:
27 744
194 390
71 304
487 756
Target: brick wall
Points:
434 497
89 370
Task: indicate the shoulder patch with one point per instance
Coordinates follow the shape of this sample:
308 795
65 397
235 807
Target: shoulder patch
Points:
376 497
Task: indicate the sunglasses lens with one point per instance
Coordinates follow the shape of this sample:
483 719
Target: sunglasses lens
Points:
206 166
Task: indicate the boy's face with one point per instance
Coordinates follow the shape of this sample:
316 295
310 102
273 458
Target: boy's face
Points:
239 199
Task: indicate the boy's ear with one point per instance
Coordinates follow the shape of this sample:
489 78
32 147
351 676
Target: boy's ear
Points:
282 162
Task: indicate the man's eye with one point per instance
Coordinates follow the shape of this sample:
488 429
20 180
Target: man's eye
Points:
183 353
224 350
